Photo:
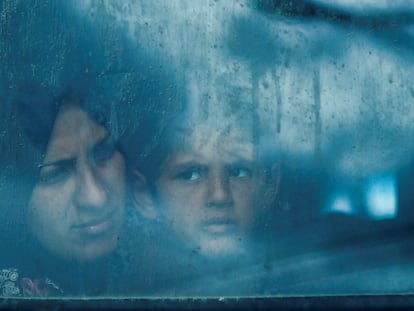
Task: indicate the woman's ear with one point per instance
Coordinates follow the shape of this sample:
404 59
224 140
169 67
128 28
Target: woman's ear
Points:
142 198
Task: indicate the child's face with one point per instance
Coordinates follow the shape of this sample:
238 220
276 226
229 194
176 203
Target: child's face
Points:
211 190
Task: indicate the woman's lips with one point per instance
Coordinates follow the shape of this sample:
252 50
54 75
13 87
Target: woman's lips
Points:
96 226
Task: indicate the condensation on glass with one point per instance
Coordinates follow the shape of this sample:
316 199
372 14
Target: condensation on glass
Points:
242 148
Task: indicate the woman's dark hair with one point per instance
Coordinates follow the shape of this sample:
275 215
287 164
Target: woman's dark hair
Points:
132 104
38 108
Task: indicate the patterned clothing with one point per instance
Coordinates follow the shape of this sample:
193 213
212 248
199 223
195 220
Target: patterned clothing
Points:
12 284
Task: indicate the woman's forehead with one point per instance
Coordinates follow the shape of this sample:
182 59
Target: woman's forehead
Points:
73 130
72 120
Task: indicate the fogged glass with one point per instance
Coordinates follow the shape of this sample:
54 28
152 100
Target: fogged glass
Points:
215 149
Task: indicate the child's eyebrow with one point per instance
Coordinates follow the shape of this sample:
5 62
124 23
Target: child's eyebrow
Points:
242 162
243 158
189 164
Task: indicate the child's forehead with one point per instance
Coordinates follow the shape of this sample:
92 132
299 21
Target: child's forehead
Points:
217 93
207 138
219 117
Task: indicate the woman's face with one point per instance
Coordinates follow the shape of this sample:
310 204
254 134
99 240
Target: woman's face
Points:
211 191
77 206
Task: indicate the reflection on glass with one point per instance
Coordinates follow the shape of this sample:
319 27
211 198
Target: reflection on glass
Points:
381 197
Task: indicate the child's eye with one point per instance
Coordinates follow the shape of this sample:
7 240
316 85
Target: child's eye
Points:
54 175
240 172
189 175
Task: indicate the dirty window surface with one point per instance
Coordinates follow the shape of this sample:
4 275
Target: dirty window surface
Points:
248 148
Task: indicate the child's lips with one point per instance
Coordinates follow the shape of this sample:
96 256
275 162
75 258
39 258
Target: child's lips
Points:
219 225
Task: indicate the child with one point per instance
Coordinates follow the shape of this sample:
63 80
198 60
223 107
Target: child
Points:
208 184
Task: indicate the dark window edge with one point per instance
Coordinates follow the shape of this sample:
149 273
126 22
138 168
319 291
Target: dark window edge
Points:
365 302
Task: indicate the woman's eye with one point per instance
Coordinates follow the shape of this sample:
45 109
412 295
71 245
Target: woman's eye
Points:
240 172
54 176
190 175
103 154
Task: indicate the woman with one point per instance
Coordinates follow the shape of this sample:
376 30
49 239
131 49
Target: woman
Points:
75 210
73 181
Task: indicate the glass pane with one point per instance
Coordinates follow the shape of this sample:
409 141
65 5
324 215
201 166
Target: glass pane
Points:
246 148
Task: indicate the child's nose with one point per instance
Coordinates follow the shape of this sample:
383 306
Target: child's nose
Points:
219 192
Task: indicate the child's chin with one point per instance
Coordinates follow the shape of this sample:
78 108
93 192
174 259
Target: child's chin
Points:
223 247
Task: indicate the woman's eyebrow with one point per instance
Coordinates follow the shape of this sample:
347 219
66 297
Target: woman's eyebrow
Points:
107 139
62 162
70 161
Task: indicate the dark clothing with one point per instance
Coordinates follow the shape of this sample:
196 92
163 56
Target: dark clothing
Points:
31 271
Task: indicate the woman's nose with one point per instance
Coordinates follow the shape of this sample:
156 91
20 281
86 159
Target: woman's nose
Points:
219 192
90 192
